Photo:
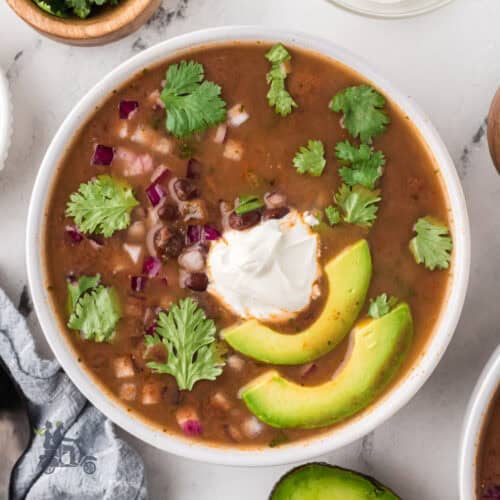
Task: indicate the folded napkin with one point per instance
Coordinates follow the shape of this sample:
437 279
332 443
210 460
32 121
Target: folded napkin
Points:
74 453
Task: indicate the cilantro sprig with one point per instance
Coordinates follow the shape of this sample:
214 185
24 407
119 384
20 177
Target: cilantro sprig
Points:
102 206
278 96
248 204
358 204
362 165
310 159
432 244
333 215
361 106
192 104
381 305
189 340
94 309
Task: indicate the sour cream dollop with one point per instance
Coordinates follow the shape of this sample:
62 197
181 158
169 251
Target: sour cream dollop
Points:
266 272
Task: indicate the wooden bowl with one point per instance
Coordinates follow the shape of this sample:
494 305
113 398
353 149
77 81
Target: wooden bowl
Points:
108 25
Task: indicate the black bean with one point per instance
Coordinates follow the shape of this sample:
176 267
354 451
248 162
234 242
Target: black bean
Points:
244 221
275 213
194 169
174 246
197 282
168 212
185 189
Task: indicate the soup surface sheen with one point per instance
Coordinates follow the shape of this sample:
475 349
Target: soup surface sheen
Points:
253 158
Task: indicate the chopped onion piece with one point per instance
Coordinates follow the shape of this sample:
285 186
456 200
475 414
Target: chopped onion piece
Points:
220 133
103 155
126 109
188 421
150 238
160 174
128 391
155 193
151 393
137 283
252 427
192 260
151 266
123 367
308 369
237 115
74 235
134 252
193 234
233 150
210 233
235 362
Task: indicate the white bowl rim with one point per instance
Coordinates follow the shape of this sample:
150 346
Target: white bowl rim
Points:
474 420
379 411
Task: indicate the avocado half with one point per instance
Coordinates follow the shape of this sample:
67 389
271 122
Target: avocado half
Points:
378 347
348 275
321 481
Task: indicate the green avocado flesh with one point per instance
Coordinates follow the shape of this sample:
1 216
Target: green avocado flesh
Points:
378 346
327 482
348 276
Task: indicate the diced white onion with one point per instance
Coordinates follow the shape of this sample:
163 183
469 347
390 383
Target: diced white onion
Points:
134 252
237 115
220 133
233 150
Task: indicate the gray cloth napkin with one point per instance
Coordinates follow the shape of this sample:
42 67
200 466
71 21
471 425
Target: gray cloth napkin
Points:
74 453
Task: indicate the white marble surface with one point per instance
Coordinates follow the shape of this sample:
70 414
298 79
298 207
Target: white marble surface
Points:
449 61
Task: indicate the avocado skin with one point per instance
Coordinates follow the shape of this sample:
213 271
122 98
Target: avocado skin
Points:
378 347
322 481
348 275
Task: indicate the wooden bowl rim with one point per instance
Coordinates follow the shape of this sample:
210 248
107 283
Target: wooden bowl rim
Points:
108 22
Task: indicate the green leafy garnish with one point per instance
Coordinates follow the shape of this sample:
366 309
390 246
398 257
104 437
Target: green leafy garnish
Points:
57 8
363 117
278 97
95 309
358 204
363 165
381 305
333 215
192 105
102 206
248 203
310 159
189 339
432 244
79 8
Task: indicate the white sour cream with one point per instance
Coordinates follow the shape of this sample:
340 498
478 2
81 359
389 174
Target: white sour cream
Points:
265 272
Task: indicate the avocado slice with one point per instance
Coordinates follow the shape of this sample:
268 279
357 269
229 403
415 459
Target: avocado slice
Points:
320 481
348 275
377 349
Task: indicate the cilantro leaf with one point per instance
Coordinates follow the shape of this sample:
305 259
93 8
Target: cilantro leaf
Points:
358 204
432 244
310 159
363 117
333 215
366 165
102 206
248 203
278 97
77 288
192 104
381 305
96 312
57 8
189 339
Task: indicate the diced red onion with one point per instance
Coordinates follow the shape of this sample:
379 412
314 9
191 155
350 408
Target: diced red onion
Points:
127 108
160 174
308 369
155 193
151 266
237 115
137 283
74 235
191 427
193 169
210 233
193 234
103 155
220 133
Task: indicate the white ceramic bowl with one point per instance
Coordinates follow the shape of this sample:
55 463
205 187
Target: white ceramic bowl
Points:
474 421
341 436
